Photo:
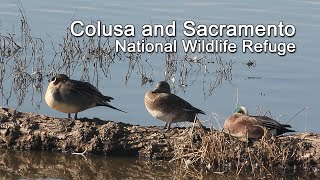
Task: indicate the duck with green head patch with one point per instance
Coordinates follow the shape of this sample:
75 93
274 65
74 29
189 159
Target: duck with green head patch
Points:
241 125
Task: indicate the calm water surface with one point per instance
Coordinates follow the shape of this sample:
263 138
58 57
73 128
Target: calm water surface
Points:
49 165
284 85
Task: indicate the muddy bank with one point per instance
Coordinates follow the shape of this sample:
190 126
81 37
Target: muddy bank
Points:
28 131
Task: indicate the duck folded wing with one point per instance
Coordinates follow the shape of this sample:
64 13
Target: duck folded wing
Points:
88 90
270 123
175 101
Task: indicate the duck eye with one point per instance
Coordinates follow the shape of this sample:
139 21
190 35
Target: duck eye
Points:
53 79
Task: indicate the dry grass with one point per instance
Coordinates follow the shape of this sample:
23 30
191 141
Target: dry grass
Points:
21 62
27 62
217 152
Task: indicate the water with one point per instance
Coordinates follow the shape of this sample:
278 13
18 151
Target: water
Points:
49 165
284 85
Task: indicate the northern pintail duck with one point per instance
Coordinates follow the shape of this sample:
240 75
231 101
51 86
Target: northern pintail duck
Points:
168 107
241 125
72 96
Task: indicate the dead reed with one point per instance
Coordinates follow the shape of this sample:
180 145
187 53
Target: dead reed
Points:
218 153
21 62
26 64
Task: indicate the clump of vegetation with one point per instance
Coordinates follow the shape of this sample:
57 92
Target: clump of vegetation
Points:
17 68
218 152
26 62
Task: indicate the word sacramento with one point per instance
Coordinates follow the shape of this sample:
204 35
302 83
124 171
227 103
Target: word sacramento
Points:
190 29
213 46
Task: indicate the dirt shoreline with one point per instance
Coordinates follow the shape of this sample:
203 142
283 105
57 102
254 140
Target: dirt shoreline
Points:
29 131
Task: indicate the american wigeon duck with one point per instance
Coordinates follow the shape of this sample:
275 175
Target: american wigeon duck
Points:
241 125
168 107
72 96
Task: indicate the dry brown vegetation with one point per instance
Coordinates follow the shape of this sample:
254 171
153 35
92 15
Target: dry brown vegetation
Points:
193 152
23 69
217 152
22 66
27 62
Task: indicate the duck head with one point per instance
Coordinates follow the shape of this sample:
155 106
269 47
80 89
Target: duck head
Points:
162 87
59 78
241 110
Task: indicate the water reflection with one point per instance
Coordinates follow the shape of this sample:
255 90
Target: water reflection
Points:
24 68
50 165
22 63
279 78
41 165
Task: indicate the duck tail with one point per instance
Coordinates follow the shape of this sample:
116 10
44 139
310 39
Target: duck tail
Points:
107 98
285 130
200 111
286 126
112 107
288 130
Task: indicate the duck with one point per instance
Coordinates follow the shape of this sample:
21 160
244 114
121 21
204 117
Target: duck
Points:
170 108
242 125
72 96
